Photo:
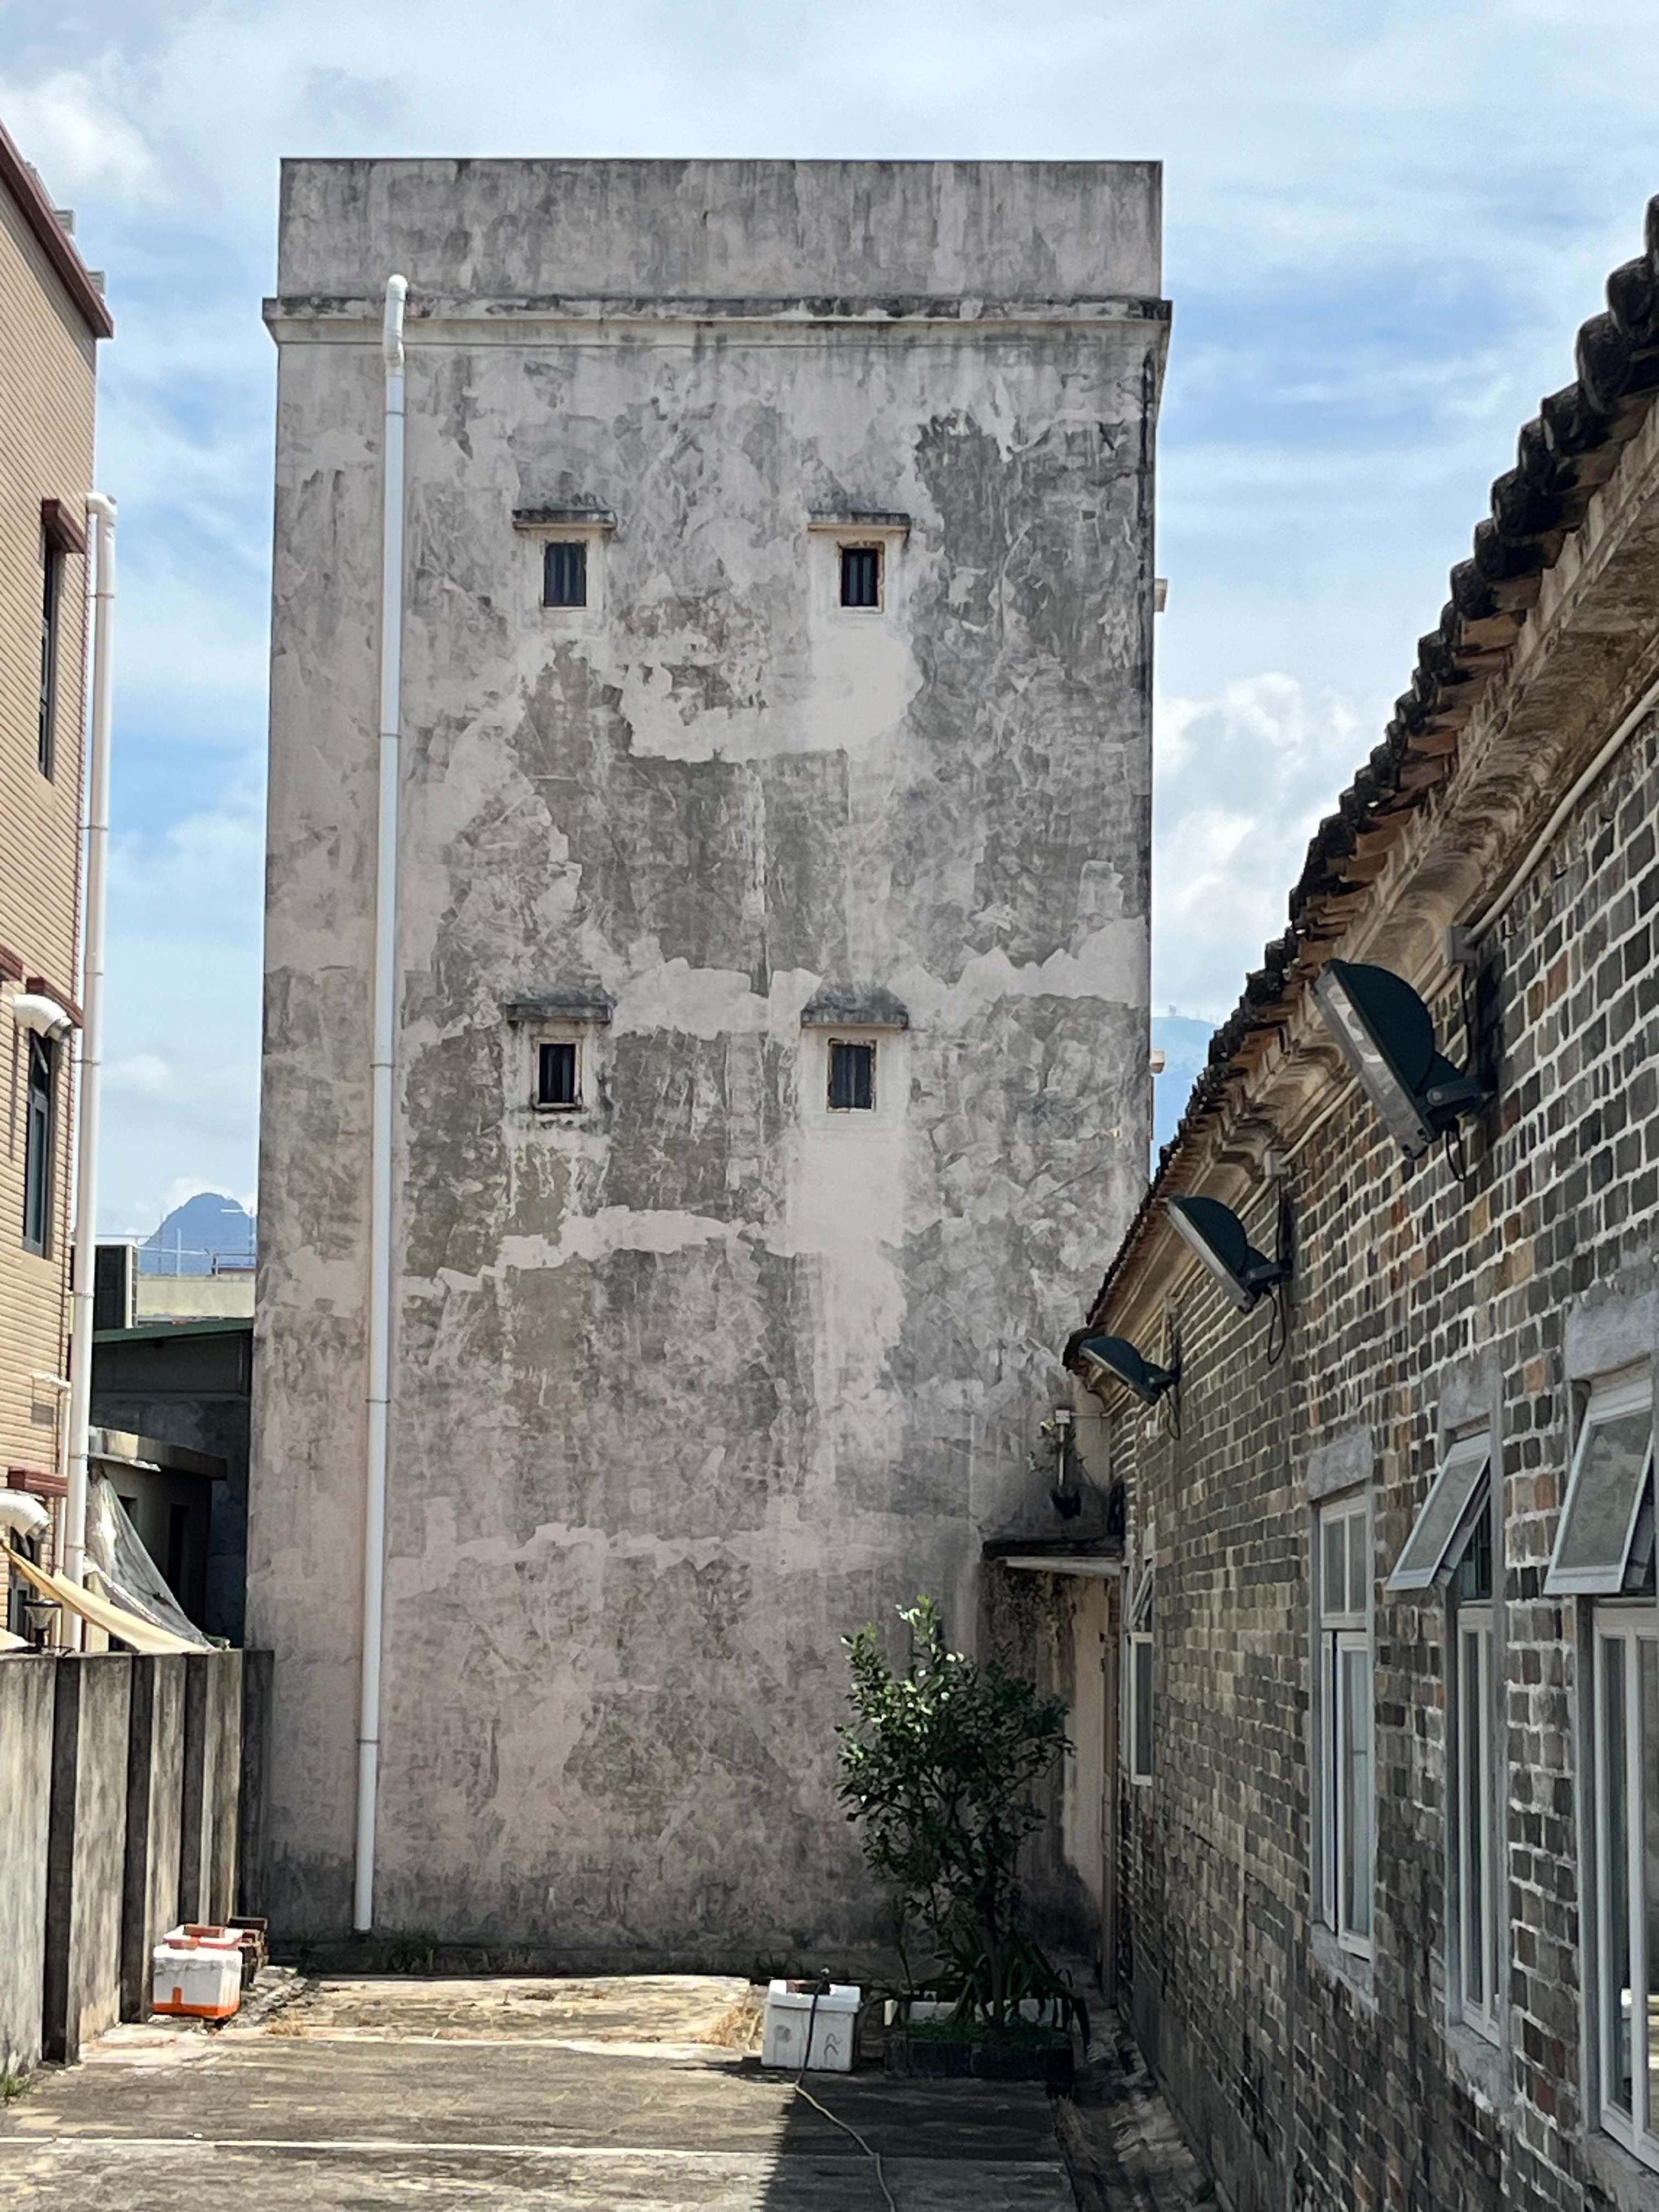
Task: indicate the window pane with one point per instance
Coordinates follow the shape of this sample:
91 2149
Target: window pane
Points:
37 1146
852 1076
1437 1523
1472 1580
1596 1526
1471 1701
1143 1692
1359 1565
1356 1695
1615 1881
1332 1574
558 1084
860 576
1650 1670
565 574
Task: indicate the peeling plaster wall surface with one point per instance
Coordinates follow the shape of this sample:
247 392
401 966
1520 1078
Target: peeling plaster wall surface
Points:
690 1382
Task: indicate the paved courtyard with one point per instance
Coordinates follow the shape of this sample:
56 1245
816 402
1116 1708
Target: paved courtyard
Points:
637 2095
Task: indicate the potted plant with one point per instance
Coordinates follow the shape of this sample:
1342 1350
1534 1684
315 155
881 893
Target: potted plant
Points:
940 1764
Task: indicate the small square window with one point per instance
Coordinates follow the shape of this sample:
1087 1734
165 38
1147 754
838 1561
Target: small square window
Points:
564 573
852 1077
557 1074
861 575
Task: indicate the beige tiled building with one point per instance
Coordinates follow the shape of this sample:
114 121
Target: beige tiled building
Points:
51 317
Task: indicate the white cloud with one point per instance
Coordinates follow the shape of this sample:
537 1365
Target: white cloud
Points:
146 1073
1241 781
78 140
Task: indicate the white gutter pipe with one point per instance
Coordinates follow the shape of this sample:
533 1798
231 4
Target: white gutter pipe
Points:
101 513
380 1058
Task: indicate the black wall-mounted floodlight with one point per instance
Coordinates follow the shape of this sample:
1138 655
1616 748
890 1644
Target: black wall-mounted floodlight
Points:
1215 1232
1116 1357
1386 1036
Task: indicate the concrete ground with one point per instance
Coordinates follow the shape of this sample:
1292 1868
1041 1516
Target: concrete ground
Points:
612 2095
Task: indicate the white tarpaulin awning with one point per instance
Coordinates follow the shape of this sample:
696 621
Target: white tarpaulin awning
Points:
131 1628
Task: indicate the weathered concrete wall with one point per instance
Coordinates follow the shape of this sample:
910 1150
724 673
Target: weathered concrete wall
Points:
210 1815
690 1383
86 1852
26 1697
156 1784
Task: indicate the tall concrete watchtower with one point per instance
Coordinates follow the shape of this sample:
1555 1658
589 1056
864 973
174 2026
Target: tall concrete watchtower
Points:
769 987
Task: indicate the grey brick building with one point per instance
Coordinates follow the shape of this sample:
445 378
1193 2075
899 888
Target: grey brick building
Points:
1387 1802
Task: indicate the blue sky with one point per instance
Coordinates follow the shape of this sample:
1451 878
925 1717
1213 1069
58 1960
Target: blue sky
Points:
1383 225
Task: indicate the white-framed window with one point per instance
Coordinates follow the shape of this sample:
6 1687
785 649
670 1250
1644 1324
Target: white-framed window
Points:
1138 1682
1450 1546
1607 1520
1476 1883
1347 1731
1605 1548
1626 1700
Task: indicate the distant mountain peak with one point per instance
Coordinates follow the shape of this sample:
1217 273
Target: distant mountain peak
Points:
205 1232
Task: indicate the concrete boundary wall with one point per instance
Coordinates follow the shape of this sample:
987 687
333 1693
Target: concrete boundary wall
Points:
26 1701
155 1789
122 1784
86 1851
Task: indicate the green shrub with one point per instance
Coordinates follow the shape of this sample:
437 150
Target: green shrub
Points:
940 1765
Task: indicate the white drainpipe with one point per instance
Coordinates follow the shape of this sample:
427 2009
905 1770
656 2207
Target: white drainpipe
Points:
385 1017
101 513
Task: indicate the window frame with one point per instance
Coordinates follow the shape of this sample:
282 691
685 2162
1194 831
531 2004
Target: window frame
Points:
570 542
840 1044
1474 1825
1139 1665
1629 1625
876 548
1343 1631
40 1144
540 1100
1609 1400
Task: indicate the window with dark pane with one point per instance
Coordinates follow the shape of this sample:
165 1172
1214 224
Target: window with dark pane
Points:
37 1146
861 575
564 573
51 600
555 1075
852 1076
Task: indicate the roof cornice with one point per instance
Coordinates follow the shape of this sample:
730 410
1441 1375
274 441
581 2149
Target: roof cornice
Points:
54 241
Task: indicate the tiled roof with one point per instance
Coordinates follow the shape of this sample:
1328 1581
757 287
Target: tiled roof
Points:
1569 448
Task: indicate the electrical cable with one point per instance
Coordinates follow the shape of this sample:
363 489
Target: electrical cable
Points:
801 2090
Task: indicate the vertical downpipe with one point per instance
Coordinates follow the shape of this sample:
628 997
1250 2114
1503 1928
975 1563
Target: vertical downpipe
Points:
101 513
381 1059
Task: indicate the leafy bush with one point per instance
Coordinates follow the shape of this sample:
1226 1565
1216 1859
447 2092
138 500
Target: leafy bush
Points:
940 1765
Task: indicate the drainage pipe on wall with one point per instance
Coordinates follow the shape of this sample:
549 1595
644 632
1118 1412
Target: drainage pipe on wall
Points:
101 513
381 1059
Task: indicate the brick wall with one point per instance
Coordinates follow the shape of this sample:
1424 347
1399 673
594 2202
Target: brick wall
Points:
1418 1303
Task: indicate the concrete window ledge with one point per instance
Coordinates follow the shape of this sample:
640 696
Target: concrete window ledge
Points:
1483 2065
1632 2186
1357 1975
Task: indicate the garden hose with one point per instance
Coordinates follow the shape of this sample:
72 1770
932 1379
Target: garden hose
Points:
801 2090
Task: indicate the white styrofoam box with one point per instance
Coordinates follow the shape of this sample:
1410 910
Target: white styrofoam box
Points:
835 2028
201 1981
